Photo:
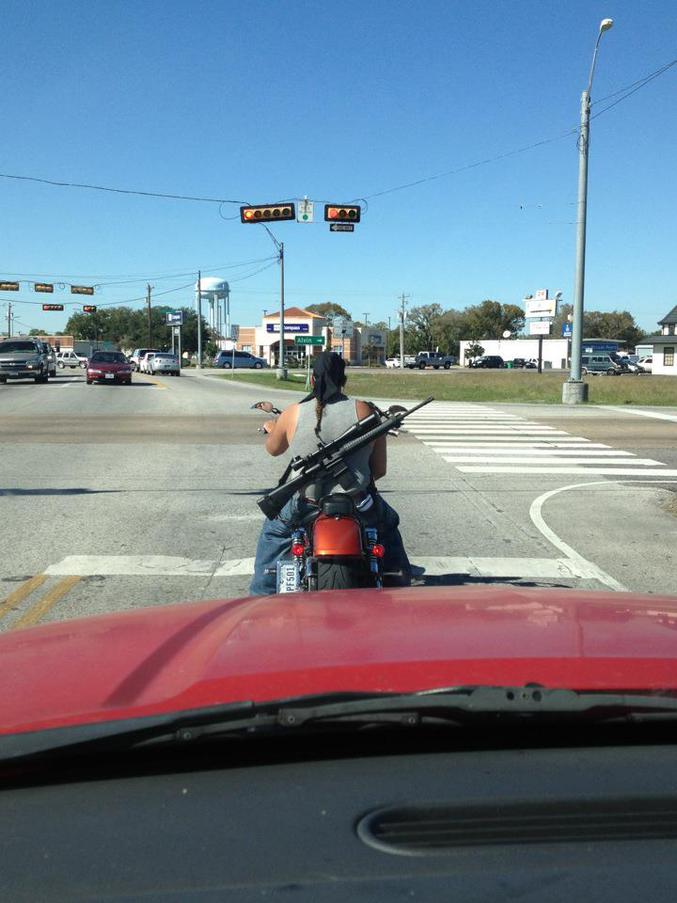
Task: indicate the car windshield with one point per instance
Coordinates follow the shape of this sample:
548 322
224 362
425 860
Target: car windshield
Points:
108 357
8 347
334 208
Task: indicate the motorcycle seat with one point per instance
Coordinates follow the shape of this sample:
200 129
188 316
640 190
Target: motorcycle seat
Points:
337 505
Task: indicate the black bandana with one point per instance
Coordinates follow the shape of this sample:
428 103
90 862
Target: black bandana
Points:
329 373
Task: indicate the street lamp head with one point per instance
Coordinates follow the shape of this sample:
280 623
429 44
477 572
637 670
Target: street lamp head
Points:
605 25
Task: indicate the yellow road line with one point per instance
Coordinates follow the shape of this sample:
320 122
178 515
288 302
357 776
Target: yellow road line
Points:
149 379
20 593
43 605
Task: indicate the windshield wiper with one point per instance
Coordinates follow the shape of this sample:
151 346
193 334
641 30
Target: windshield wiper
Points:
462 706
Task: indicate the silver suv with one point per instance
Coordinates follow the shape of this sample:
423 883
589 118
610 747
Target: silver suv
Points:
24 358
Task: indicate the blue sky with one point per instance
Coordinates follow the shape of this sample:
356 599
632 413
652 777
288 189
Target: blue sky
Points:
268 100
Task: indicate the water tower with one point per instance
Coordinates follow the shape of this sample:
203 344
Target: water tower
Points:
216 293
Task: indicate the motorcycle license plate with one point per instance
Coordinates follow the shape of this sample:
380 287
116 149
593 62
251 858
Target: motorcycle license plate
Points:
110 376
288 577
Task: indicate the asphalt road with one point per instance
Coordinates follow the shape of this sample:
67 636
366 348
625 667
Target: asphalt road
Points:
117 497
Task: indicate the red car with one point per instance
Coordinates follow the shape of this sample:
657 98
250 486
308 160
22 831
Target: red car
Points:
109 366
479 743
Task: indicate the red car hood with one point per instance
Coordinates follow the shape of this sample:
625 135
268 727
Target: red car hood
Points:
263 648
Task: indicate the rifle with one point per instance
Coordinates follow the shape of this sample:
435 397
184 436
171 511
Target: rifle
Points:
329 459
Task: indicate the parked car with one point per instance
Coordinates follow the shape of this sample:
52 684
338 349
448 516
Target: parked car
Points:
164 362
137 355
69 358
601 363
522 363
647 363
392 363
488 362
23 358
109 366
634 366
224 359
434 359
145 362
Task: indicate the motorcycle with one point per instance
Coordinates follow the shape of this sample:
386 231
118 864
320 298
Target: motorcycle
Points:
336 545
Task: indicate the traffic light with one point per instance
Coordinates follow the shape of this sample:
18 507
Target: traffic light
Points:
342 213
267 213
89 308
52 306
9 286
82 289
43 287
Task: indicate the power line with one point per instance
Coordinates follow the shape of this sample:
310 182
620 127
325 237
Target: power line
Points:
130 278
147 194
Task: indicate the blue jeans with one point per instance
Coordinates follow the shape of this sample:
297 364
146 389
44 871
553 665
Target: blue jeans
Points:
275 542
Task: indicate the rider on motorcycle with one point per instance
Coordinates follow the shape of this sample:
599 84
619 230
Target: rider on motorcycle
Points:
325 414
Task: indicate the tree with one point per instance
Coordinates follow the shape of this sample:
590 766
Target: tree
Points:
490 319
615 324
473 350
422 322
328 309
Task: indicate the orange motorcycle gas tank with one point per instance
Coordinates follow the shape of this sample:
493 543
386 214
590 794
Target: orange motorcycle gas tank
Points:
336 536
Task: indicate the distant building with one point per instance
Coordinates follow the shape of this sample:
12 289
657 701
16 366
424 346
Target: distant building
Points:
664 345
366 343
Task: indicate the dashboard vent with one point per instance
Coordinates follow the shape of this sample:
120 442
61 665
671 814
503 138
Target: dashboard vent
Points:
434 830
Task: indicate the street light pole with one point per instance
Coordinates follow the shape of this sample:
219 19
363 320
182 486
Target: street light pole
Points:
575 391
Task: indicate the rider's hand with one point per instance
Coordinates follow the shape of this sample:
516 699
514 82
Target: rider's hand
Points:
269 426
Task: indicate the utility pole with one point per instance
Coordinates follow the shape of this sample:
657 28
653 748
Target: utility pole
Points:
403 301
281 372
9 319
199 320
366 318
150 322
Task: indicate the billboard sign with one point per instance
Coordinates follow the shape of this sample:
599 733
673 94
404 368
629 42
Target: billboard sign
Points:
288 327
539 327
174 318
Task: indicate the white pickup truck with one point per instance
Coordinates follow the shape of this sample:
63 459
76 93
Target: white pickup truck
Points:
69 358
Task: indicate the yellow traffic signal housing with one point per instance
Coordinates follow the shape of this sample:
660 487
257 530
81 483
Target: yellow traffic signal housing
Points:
267 213
342 213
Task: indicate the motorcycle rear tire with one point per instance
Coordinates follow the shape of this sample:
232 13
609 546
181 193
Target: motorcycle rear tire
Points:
336 575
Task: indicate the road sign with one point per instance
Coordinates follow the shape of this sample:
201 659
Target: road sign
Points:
9 286
82 289
309 340
540 307
539 327
288 327
52 306
305 214
567 330
43 287
234 332
174 318
341 227
342 326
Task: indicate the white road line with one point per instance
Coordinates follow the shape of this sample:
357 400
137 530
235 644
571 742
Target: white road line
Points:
610 471
656 415
528 450
536 515
527 441
523 459
485 430
436 565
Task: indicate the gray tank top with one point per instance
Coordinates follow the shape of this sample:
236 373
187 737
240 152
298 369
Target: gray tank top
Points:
336 418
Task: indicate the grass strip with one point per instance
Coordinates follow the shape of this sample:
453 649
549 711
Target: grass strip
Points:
488 385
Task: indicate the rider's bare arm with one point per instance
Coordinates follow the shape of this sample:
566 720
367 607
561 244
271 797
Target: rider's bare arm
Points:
280 431
379 459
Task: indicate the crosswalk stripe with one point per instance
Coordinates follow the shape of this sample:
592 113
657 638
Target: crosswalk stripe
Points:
576 447
508 441
537 452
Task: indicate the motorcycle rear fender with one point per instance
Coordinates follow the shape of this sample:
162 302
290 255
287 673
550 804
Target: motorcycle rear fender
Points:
337 537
